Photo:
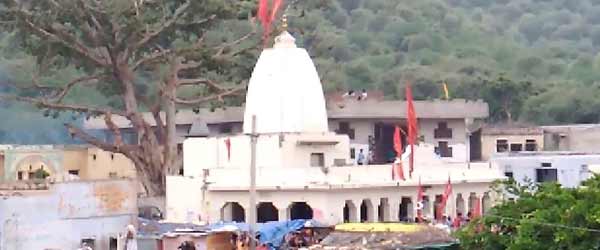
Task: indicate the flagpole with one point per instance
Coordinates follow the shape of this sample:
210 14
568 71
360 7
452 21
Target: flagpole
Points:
252 207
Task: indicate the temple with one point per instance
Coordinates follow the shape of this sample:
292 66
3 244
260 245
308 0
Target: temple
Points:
306 155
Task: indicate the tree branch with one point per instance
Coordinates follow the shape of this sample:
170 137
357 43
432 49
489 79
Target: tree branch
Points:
115 129
73 44
150 35
84 136
205 99
60 106
208 82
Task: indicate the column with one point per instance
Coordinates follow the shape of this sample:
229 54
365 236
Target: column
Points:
282 210
394 209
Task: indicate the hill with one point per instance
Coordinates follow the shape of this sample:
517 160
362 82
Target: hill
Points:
539 58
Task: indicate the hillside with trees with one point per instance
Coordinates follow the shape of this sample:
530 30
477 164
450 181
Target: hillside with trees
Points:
532 60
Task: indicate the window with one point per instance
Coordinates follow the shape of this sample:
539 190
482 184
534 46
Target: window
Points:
516 147
31 175
112 175
112 156
74 172
225 129
546 164
509 174
442 131
546 175
317 160
443 150
530 145
94 157
344 128
20 175
501 146
352 153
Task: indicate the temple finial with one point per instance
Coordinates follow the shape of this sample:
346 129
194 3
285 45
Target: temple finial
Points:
284 22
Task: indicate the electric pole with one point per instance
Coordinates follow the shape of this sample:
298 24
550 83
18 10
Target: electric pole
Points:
252 207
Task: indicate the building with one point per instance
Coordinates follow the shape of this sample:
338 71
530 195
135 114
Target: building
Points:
87 163
576 137
305 170
64 215
567 168
501 139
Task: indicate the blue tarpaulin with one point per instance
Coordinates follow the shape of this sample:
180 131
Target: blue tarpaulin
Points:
270 233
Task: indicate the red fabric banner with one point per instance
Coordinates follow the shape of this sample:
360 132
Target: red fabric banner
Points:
397 170
412 127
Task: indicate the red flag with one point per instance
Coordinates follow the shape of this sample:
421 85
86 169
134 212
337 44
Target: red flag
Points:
265 18
276 6
228 145
420 204
412 127
397 170
447 193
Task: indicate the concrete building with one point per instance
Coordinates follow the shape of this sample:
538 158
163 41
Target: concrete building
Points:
304 170
88 163
501 139
62 216
576 137
567 168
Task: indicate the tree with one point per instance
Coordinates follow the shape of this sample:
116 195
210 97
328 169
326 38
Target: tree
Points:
544 217
141 55
505 97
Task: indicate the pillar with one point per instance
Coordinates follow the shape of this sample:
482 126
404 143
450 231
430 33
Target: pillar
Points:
282 210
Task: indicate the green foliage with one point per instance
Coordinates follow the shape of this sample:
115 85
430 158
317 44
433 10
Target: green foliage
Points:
543 217
40 174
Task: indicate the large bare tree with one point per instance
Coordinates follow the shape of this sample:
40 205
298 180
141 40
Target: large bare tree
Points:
143 56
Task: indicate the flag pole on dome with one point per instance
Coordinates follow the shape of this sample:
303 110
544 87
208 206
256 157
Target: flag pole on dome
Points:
413 128
266 14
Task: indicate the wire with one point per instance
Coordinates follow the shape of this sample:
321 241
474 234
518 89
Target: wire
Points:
547 224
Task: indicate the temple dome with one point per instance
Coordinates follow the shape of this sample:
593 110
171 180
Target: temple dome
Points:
285 92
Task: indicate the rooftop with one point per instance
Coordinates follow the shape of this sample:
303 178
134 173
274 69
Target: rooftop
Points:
511 130
348 109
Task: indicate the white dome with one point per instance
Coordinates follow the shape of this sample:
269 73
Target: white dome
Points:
285 91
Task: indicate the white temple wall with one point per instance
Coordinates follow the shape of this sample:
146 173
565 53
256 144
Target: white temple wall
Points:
327 205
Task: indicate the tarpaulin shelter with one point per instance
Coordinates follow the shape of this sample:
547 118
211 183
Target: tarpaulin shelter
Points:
269 233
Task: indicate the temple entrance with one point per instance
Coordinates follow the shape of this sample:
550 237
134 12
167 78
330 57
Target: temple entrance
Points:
383 210
266 212
349 212
300 210
438 212
406 210
233 211
366 211
383 148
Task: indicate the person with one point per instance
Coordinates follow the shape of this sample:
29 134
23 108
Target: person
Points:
187 245
469 215
363 95
458 221
361 157
85 246
130 240
349 93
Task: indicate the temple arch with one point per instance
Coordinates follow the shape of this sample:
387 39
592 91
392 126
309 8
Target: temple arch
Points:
233 212
383 210
266 211
350 214
300 210
366 211
406 210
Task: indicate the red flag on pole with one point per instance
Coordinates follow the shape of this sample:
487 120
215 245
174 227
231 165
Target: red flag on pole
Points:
397 170
228 145
444 201
276 6
420 204
413 128
266 16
